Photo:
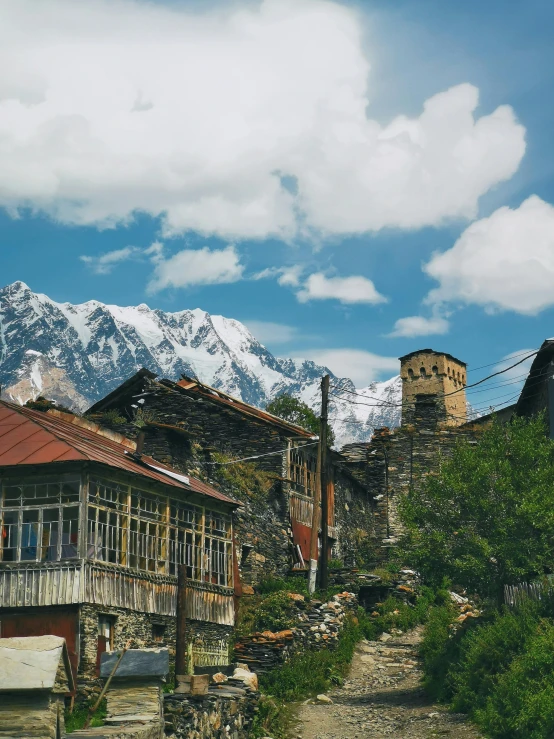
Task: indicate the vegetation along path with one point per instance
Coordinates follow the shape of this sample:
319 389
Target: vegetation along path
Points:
382 697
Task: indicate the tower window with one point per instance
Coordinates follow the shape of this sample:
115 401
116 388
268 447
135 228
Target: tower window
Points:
435 369
422 372
411 373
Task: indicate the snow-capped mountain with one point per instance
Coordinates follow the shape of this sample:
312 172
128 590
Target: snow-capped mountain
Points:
76 354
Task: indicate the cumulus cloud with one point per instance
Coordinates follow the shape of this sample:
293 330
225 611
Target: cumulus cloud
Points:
503 262
272 333
244 122
355 289
104 263
195 267
419 326
360 366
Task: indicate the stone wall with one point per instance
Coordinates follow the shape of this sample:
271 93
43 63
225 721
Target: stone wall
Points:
210 716
138 628
30 715
394 462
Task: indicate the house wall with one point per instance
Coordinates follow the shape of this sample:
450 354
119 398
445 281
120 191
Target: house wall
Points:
394 462
137 627
266 541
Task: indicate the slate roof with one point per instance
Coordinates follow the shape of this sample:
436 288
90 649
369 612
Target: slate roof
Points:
34 437
136 663
195 389
32 663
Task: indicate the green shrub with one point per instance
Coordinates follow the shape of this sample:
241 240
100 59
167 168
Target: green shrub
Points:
486 652
522 704
275 613
438 649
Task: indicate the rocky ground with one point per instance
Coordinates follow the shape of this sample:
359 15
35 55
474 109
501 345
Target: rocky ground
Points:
382 697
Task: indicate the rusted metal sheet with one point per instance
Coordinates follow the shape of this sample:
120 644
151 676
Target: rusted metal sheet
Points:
33 437
33 623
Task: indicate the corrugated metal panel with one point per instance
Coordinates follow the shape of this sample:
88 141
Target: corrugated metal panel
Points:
33 437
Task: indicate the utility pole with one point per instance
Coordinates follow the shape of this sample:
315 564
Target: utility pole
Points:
181 658
323 561
312 575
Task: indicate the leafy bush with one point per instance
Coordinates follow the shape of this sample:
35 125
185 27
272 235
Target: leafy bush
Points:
487 651
486 517
522 704
275 613
500 671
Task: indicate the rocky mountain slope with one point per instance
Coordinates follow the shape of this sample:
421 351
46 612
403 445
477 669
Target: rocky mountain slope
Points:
76 354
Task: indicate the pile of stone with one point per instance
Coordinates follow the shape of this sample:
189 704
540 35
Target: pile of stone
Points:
227 709
318 626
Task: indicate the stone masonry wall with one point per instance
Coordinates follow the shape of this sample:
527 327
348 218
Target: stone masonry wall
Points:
138 628
394 462
210 716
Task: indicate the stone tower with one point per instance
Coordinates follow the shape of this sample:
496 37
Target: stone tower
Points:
428 380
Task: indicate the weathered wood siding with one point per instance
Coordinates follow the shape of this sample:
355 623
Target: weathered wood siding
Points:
86 582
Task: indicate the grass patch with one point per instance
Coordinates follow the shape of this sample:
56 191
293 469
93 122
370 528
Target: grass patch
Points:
76 720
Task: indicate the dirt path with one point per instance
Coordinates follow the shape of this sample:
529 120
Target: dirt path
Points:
382 697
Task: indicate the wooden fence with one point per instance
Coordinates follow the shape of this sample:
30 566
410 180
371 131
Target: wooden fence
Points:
515 595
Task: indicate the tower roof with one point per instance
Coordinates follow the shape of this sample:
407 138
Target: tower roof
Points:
432 351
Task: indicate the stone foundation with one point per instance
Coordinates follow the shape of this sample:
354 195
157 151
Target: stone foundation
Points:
210 716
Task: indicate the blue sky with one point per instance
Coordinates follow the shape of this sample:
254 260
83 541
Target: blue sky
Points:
272 162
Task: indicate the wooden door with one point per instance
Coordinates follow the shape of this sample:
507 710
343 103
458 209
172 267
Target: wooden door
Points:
41 622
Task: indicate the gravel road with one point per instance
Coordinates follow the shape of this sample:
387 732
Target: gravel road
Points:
382 697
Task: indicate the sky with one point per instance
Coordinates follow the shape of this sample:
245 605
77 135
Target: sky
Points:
352 180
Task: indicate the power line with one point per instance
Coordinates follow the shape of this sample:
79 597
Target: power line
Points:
258 456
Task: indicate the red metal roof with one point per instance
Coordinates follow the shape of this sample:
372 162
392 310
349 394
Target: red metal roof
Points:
35 437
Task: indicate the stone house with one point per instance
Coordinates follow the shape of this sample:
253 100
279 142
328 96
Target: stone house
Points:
92 533
434 418
35 677
202 430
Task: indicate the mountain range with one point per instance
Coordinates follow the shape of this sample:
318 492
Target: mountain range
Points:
76 354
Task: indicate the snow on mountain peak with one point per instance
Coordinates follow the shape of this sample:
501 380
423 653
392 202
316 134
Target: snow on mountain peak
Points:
79 353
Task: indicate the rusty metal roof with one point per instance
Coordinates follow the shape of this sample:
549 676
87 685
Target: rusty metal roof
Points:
34 437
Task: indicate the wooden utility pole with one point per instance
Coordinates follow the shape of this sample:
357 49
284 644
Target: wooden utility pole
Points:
181 656
323 556
312 575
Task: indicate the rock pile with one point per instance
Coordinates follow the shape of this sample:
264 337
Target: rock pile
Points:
318 626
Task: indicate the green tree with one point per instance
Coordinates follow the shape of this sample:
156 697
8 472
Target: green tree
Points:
295 411
486 518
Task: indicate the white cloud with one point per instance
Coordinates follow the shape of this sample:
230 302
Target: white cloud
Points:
419 326
503 262
354 289
272 333
238 121
196 267
103 264
360 366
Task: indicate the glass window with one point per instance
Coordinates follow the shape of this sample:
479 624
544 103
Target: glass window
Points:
39 520
155 533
